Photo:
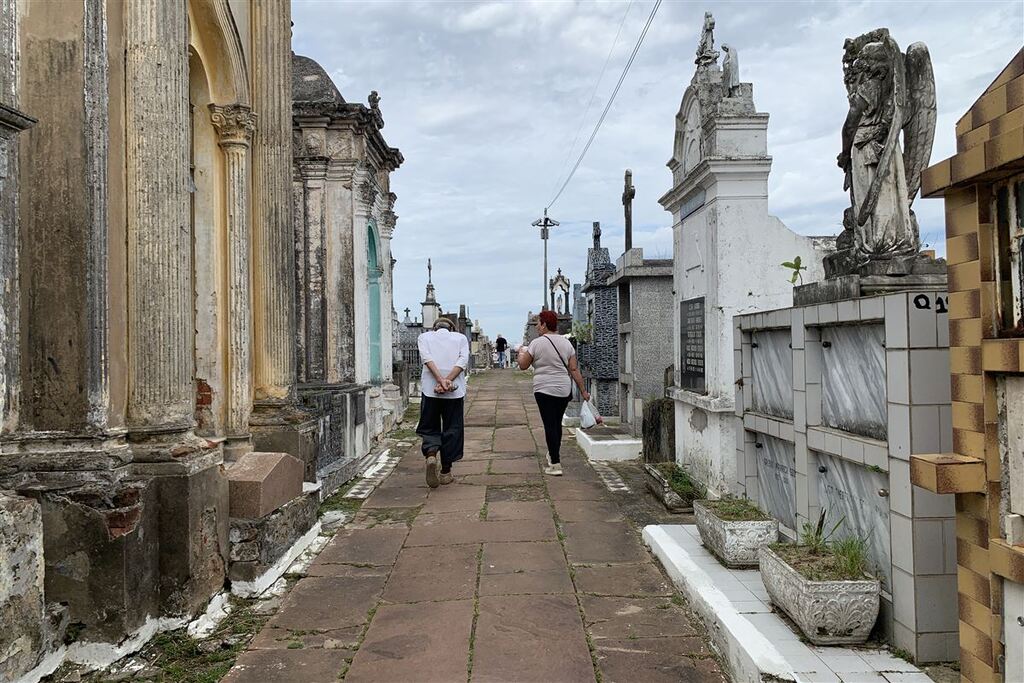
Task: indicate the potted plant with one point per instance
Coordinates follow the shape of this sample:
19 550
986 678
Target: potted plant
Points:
672 486
823 585
734 529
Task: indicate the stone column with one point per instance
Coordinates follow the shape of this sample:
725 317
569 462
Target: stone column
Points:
311 269
161 395
235 124
273 236
386 226
12 121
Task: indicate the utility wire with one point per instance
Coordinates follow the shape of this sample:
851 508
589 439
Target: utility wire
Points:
568 154
608 106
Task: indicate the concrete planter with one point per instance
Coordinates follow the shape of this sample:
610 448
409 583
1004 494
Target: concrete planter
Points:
659 486
827 612
735 544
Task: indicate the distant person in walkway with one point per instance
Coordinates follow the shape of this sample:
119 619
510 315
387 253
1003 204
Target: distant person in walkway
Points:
554 370
445 356
502 345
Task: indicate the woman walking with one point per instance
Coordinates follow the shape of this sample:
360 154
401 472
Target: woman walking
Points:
554 370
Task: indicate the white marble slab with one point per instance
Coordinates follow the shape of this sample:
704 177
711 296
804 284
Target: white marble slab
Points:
772 373
849 492
853 379
776 479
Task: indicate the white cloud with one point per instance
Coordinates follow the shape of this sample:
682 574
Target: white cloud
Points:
484 99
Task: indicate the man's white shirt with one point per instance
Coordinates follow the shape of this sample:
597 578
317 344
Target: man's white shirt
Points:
446 349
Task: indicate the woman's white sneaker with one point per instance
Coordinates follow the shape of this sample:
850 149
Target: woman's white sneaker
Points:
553 470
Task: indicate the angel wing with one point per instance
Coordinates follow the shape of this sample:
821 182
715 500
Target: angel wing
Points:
918 115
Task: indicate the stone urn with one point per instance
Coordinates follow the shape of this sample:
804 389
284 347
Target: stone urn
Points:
734 543
827 612
657 483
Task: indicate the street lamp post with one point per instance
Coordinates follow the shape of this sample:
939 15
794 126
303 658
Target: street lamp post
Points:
545 224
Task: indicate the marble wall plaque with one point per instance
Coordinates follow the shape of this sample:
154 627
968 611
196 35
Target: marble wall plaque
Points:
691 318
776 479
849 492
853 379
772 371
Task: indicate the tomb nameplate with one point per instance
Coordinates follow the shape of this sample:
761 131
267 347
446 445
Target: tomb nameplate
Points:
691 365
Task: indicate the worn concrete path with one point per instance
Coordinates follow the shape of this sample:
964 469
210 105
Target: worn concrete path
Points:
505 575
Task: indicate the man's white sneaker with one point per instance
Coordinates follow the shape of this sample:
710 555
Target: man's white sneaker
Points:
553 470
433 471
547 457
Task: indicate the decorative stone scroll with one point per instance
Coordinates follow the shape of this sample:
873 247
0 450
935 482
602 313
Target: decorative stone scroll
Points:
234 123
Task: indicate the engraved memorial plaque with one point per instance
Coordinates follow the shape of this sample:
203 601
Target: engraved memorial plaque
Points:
691 362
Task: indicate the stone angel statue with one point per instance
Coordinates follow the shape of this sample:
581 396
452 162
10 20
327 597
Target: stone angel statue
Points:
889 93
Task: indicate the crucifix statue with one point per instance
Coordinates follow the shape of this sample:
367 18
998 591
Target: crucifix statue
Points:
430 272
628 192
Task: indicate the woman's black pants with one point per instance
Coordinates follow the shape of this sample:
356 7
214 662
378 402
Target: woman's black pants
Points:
552 408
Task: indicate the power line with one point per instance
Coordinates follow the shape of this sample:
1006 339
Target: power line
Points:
608 106
590 102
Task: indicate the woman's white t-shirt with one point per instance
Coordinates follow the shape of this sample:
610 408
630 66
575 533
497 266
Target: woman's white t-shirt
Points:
549 371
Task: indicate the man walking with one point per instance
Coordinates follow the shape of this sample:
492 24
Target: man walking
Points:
502 345
445 356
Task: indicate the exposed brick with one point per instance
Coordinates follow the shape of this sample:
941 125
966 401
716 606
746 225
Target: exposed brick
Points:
973 585
969 388
965 360
968 165
966 304
1004 149
962 248
1007 561
966 442
962 215
973 669
976 642
973 138
969 416
1000 355
974 613
972 530
964 276
966 332
972 557
989 106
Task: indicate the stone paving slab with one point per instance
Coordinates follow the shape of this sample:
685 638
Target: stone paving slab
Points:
525 509
623 579
434 573
464 501
328 603
587 511
287 666
515 466
363 546
405 643
396 498
503 558
478 532
655 660
524 582
530 638
617 617
273 638
602 542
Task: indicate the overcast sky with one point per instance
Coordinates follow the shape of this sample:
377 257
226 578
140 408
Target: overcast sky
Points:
484 100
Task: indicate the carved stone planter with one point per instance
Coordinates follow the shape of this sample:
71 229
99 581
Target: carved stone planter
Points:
828 612
735 544
659 486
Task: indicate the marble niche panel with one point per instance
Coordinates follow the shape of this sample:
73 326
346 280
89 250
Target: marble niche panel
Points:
853 379
776 478
850 492
772 373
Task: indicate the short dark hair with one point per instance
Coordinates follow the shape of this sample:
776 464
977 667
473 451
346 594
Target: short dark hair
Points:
445 323
549 319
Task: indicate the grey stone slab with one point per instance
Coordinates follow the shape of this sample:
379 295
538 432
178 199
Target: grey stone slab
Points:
587 511
623 580
627 617
657 660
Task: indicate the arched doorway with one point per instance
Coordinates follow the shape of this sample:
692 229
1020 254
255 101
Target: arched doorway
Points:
373 285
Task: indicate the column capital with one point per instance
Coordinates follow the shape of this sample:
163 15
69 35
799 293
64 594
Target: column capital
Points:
368 192
388 219
234 123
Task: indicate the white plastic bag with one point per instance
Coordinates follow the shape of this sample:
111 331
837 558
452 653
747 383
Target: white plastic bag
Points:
588 415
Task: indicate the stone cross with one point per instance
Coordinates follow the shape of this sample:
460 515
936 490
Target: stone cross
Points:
597 234
430 272
628 193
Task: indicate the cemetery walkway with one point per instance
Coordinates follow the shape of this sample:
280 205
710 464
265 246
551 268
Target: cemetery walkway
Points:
505 575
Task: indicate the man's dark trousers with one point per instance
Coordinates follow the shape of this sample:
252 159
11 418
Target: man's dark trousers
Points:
442 427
